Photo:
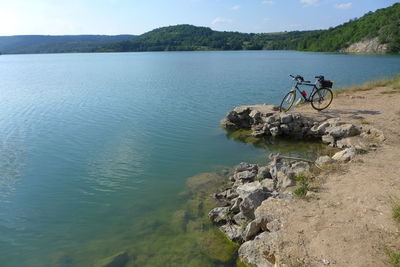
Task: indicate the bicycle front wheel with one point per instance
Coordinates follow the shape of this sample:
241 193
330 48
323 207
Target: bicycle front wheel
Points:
321 99
288 101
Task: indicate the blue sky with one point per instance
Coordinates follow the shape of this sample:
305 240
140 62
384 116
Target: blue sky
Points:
136 17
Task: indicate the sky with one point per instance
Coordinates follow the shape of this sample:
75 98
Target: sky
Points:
61 17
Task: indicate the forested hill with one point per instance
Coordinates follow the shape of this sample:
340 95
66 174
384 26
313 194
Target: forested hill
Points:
382 25
33 44
377 31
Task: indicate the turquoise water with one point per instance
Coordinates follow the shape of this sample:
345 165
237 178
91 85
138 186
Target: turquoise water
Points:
95 148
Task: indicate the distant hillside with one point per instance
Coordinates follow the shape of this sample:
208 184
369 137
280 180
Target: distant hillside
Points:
380 29
32 44
188 37
383 24
375 32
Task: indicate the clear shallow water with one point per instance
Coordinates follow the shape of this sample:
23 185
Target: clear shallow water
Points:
95 148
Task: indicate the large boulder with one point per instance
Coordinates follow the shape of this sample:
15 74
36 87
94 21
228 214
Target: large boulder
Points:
263 173
255 227
260 251
233 232
244 166
252 195
219 215
245 176
323 160
342 131
345 155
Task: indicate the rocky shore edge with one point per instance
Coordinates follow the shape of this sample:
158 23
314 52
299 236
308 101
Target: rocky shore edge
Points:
250 214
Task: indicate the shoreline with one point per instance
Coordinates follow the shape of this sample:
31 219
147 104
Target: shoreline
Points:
260 201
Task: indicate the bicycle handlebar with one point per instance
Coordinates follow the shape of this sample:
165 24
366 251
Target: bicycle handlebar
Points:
300 78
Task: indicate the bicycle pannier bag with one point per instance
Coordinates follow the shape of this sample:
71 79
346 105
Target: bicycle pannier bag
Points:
326 84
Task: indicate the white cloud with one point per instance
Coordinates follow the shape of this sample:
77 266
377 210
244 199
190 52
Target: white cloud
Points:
309 2
219 20
236 7
268 2
344 5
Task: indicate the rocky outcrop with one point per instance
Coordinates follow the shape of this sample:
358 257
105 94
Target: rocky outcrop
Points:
371 46
255 194
266 121
251 185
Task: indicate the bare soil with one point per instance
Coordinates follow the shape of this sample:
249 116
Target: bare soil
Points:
349 222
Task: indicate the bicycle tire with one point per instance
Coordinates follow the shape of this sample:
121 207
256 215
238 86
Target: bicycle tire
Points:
289 100
321 99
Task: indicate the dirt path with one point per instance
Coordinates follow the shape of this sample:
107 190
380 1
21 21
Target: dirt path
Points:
350 221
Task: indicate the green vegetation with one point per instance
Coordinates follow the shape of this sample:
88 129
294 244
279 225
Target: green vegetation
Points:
382 24
393 85
34 44
393 258
303 186
396 209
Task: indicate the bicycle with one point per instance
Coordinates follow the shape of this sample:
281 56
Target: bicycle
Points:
320 97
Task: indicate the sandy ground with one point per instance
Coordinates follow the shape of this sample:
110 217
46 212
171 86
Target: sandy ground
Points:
349 223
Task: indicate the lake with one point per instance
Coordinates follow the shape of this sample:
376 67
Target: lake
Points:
95 149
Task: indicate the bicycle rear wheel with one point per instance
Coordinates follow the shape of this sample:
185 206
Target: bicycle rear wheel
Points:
321 99
288 101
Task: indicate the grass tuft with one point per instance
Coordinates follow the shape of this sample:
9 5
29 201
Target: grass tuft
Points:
396 209
303 186
394 83
393 259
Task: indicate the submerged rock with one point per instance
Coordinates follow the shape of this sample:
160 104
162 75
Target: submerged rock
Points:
117 260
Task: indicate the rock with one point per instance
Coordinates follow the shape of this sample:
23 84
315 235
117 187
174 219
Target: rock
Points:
258 133
235 208
285 129
369 46
323 160
274 131
328 139
260 251
268 184
341 131
255 227
263 173
286 118
118 260
227 124
233 232
354 141
244 166
322 127
274 225
219 215
300 167
252 195
240 219
245 176
345 155
270 120
252 229
256 116
231 194
285 180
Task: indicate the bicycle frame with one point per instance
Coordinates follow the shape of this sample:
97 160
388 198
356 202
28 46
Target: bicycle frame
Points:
306 98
